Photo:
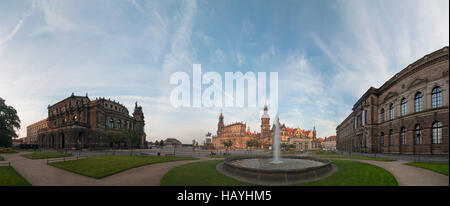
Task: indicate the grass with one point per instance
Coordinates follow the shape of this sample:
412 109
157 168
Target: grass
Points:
350 173
45 155
26 150
199 174
102 166
324 154
292 152
436 167
9 177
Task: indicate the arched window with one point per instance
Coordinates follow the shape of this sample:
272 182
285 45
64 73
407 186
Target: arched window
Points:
125 125
391 137
437 133
403 107
382 115
111 123
382 139
391 111
403 136
119 124
418 134
436 97
418 102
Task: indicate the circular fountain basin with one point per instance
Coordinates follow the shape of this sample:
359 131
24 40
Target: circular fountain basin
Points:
261 170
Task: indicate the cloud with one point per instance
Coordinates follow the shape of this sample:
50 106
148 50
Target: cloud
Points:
13 32
55 20
240 59
136 5
267 54
248 28
217 57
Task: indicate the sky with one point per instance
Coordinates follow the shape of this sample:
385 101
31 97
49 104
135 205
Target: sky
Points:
327 54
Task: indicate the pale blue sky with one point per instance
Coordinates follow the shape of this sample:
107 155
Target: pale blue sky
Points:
327 54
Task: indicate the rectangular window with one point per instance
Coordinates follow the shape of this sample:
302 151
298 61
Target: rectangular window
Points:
403 109
437 135
363 118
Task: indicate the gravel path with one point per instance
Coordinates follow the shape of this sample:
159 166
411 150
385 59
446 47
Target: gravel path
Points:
148 175
38 173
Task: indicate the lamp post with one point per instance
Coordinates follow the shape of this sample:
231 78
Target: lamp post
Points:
375 147
420 144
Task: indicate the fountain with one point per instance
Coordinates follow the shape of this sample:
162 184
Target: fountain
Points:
276 143
266 170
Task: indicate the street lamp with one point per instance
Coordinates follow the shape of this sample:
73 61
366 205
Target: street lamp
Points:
420 144
375 147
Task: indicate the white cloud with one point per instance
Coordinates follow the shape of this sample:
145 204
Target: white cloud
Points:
55 20
217 57
240 58
248 28
267 54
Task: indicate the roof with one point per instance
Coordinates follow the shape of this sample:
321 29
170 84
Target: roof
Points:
172 140
331 138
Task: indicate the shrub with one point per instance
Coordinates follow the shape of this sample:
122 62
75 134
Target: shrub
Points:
7 150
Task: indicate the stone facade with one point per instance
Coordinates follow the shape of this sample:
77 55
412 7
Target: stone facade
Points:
329 143
237 133
77 122
32 131
408 114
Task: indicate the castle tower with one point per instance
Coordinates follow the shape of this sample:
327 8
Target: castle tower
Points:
140 124
314 132
265 123
220 125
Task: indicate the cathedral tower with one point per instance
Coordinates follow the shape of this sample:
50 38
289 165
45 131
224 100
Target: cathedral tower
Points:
140 124
265 123
220 125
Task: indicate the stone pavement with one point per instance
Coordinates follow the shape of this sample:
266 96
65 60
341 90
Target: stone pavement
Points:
38 173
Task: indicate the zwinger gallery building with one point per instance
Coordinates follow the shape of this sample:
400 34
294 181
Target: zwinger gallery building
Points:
408 114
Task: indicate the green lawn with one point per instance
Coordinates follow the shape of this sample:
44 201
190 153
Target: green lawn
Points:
436 167
350 173
199 174
102 166
45 155
9 177
359 157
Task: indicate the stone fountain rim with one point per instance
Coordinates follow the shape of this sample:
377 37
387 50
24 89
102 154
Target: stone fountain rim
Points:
228 161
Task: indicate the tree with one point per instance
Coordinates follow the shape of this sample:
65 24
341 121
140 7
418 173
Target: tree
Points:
132 136
161 143
115 138
227 145
252 143
156 143
9 122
